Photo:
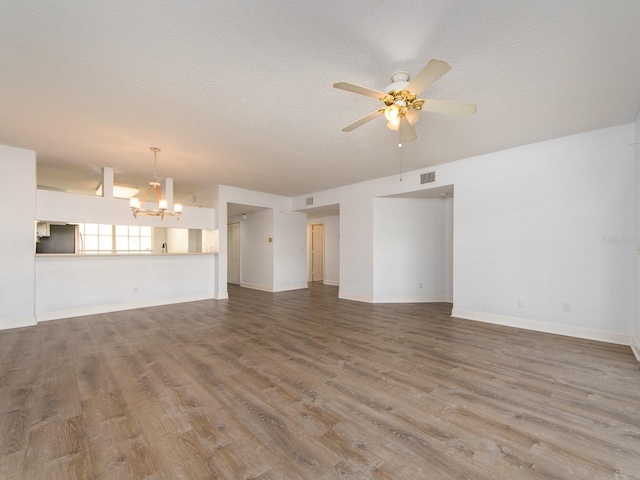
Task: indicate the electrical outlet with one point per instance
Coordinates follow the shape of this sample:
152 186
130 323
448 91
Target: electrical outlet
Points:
135 290
420 285
520 302
566 307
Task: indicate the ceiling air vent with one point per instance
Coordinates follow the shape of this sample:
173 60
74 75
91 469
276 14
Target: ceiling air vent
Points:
309 200
428 177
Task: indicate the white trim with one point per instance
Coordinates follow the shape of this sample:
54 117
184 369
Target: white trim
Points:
447 299
116 307
635 347
355 297
567 330
221 296
286 288
267 288
335 283
412 299
7 324
257 286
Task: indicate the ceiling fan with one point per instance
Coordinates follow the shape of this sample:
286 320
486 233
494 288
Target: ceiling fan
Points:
402 105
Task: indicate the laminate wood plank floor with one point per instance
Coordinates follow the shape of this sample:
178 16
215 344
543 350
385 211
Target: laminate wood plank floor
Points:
302 385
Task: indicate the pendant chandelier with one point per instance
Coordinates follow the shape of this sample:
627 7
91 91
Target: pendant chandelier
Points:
137 206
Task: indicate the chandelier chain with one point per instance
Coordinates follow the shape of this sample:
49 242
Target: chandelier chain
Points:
155 151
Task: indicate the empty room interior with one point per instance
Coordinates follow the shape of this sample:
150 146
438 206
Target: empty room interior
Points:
305 240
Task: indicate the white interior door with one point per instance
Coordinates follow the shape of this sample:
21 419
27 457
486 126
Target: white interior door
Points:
233 253
317 252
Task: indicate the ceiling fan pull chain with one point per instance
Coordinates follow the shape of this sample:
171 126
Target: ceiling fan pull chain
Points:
400 146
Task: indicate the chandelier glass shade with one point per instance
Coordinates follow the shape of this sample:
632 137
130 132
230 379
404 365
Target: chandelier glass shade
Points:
138 206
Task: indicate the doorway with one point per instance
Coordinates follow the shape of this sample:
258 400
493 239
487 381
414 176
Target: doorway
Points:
233 253
317 252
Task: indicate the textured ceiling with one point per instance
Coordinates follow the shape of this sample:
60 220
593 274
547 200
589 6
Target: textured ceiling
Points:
240 93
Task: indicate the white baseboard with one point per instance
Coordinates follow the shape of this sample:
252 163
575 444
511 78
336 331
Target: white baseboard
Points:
407 299
257 286
355 297
333 283
116 307
221 296
558 329
9 323
412 299
287 288
635 347
270 289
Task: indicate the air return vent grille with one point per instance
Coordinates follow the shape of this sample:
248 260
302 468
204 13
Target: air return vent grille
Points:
309 200
428 177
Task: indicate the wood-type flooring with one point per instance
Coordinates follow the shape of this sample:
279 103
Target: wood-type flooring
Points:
302 385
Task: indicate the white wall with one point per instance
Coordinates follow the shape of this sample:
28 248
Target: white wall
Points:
177 240
448 246
635 344
17 240
331 270
210 241
332 250
356 245
74 208
545 223
257 251
534 223
68 286
159 239
409 250
289 250
288 230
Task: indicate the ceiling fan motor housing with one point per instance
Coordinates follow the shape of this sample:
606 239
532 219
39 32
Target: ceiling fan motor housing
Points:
400 81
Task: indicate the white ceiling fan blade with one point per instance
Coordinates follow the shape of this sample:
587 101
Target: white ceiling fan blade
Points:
412 116
460 109
363 120
426 77
408 132
352 87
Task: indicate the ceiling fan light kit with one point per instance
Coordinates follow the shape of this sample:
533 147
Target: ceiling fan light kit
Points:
402 105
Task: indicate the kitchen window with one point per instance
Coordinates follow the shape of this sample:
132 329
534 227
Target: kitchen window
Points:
106 239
